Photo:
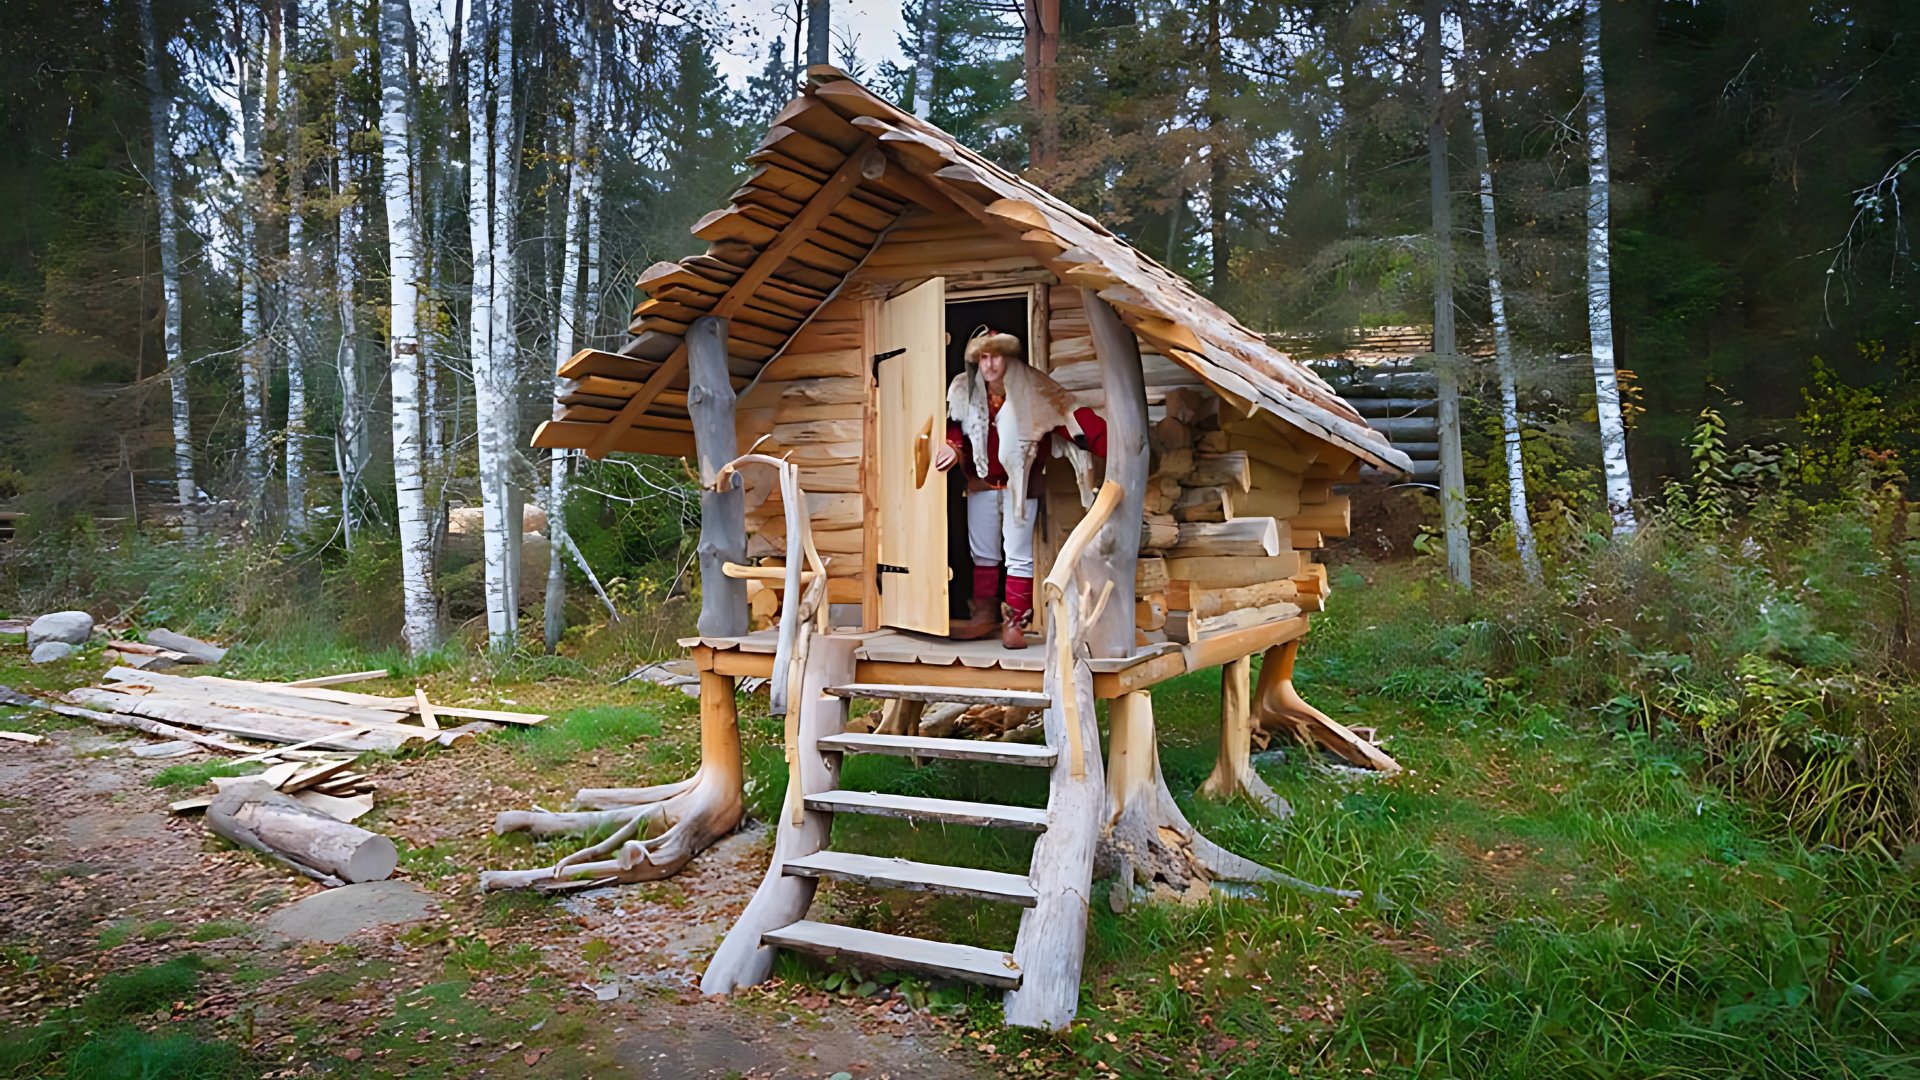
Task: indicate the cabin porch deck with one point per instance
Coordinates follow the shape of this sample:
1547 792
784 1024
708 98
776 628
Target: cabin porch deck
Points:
901 656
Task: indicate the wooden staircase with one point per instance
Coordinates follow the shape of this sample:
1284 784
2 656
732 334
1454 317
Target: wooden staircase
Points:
1041 976
777 917
895 952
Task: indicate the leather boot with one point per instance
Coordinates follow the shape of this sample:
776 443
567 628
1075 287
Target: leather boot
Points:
1013 631
1019 607
983 619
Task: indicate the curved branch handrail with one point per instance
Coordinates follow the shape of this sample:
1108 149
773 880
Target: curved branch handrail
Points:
1063 635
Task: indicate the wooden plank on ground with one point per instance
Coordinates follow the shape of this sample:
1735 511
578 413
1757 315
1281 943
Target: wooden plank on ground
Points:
425 709
251 698
336 680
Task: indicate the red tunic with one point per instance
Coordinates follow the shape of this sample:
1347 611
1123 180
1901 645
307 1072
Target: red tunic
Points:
1090 422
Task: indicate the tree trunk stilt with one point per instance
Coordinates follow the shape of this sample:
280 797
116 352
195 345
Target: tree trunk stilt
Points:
1278 706
1233 775
693 814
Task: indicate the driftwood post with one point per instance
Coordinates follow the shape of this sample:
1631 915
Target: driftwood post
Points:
1117 548
723 514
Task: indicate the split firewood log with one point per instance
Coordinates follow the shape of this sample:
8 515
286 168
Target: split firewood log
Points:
258 817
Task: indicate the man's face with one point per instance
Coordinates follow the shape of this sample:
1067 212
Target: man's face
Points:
993 366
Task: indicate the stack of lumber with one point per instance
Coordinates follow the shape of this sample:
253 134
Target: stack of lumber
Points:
326 783
208 709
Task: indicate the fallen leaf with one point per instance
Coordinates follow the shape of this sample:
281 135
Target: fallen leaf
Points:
531 1058
351 1053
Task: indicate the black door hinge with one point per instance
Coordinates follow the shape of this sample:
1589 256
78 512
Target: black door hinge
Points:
877 357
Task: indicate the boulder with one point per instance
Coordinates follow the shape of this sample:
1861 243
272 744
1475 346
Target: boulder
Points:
72 627
48 652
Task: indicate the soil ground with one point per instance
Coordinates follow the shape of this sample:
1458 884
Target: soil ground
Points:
100 879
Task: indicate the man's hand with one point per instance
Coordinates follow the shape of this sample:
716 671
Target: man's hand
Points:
944 457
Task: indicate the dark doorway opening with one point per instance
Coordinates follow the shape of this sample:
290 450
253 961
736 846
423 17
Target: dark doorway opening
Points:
1005 315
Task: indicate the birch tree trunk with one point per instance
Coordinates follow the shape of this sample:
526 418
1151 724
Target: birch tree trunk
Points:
403 336
352 447
566 320
1606 383
929 56
160 113
298 287
1503 357
245 47
1453 475
491 167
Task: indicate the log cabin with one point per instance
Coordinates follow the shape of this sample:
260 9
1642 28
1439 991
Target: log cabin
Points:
816 336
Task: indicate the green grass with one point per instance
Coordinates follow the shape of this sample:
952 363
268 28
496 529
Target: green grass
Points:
97 1041
219 929
1550 891
199 774
562 738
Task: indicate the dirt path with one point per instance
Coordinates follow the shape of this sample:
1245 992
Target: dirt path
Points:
97 879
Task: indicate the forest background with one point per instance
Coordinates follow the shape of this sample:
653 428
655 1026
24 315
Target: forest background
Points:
1274 153
1763 294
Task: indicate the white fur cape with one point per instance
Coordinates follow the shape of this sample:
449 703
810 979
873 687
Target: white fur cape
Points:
1035 405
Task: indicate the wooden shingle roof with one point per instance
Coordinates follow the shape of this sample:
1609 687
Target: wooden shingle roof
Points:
836 171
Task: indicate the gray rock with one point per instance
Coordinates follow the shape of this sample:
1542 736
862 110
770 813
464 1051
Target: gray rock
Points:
72 627
337 914
48 652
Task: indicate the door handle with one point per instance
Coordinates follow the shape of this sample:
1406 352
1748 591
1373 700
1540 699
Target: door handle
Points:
922 454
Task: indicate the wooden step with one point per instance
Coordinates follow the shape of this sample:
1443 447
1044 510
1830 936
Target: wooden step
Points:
949 811
884 873
949 749
890 951
964 695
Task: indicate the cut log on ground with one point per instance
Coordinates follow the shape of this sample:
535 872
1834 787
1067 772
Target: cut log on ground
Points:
256 816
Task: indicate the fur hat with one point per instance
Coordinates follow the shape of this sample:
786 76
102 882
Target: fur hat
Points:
986 340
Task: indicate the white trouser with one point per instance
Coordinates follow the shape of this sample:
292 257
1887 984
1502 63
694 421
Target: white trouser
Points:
990 531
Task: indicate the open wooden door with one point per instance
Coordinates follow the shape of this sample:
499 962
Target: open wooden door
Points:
912 422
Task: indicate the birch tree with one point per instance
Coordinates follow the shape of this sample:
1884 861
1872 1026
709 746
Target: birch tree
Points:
403 335
1503 357
1606 383
929 55
569 307
244 48
491 169
1453 475
352 444
298 286
160 112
